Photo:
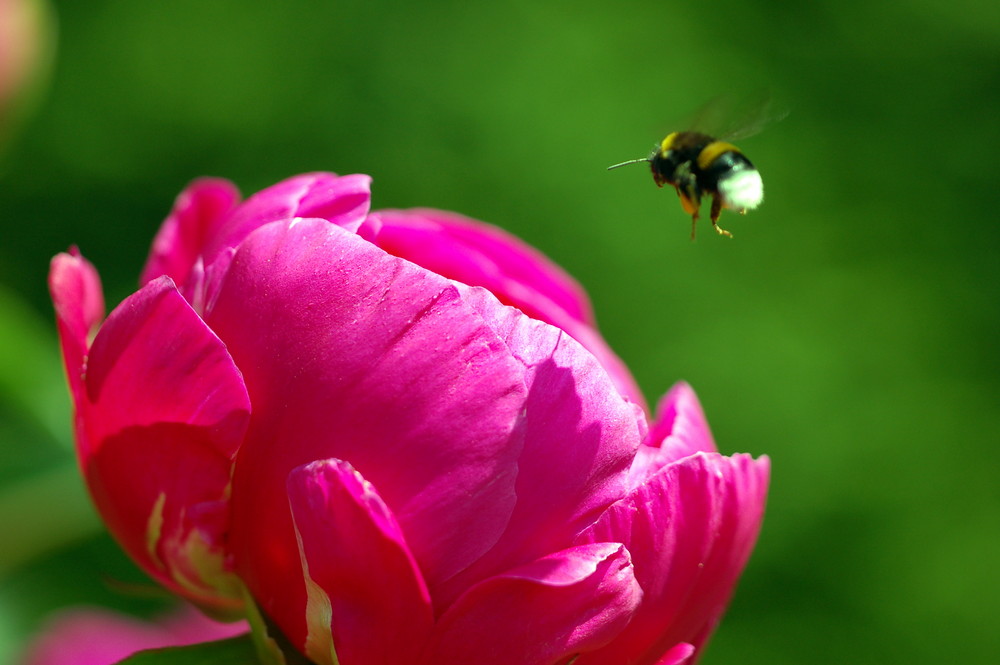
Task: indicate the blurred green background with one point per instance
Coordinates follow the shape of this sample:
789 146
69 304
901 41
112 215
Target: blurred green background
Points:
849 330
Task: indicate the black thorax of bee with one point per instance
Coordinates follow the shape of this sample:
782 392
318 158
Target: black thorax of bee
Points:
694 163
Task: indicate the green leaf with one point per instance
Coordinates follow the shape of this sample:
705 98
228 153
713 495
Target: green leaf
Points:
234 651
31 378
43 513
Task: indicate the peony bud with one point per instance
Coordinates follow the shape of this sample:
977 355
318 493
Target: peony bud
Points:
401 433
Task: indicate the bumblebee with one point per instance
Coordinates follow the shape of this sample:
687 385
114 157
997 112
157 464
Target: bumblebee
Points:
697 164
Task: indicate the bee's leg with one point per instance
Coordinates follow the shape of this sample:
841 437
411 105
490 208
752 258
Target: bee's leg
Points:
716 211
691 202
721 231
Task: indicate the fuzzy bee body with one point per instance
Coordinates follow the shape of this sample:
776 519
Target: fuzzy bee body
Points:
702 164
696 165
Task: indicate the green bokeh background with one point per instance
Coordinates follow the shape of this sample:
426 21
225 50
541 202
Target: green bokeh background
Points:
849 330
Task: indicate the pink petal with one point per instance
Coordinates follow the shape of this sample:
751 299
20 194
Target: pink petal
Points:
341 200
165 412
580 436
155 361
679 655
479 254
351 353
369 596
79 305
690 530
620 375
187 625
544 612
196 217
93 636
680 430
162 491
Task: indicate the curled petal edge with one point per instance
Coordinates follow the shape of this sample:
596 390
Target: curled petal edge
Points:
547 611
691 529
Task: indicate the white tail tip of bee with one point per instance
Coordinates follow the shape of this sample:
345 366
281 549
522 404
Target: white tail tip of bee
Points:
742 190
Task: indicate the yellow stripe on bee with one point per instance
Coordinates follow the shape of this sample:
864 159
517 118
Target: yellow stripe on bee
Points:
668 143
712 151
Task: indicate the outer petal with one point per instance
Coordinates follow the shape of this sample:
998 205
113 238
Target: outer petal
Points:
156 361
544 612
680 430
365 590
165 411
690 530
341 200
480 254
79 305
196 217
351 353
163 493
580 438
591 339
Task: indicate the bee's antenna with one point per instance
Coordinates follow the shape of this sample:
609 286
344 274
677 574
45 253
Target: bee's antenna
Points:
631 161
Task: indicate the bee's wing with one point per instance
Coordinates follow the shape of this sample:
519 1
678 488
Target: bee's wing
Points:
730 118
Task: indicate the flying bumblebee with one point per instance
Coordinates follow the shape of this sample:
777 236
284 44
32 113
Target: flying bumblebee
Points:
695 163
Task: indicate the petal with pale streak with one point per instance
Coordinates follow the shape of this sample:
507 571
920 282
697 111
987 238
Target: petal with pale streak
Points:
162 491
365 577
166 410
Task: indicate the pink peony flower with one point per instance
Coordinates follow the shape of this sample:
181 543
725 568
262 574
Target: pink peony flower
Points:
93 636
402 433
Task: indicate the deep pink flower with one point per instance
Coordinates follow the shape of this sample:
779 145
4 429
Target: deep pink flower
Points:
339 410
93 636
